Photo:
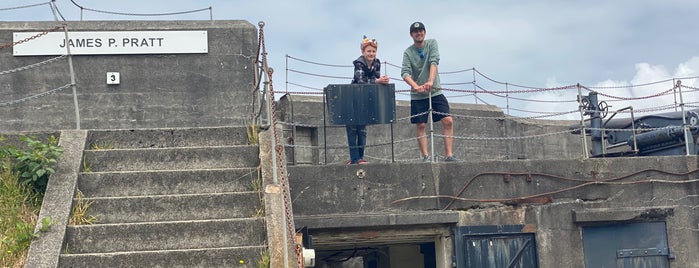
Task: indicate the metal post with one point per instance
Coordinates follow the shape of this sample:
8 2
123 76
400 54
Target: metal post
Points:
674 92
393 154
687 135
72 79
429 119
273 128
211 13
582 123
507 97
325 133
596 132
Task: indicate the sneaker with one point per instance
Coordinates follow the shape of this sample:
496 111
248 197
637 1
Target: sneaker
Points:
362 162
450 159
426 159
349 162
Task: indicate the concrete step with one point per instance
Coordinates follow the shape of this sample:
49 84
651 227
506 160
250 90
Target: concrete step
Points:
109 210
153 236
171 158
139 183
195 258
166 138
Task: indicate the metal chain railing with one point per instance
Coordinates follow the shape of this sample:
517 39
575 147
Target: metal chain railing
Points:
33 97
31 66
25 6
280 157
210 9
11 44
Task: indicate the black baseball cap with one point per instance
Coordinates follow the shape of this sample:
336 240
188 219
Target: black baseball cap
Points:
417 26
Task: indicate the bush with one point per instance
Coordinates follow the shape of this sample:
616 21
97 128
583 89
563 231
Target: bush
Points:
35 164
23 179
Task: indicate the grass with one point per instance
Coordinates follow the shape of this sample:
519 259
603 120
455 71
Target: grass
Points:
264 261
253 132
19 207
97 146
87 168
256 185
24 174
79 214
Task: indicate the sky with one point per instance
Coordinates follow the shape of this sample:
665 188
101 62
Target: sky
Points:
525 47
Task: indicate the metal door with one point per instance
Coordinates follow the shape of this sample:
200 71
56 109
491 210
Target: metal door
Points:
632 245
495 246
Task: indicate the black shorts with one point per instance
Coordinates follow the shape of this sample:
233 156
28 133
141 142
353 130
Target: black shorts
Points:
439 104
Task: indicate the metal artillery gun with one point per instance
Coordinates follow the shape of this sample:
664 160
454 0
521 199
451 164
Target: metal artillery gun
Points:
651 135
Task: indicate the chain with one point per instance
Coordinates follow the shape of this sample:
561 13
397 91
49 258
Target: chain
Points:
34 96
506 117
340 146
319 75
694 88
510 138
27 6
281 159
11 44
317 63
631 86
32 65
306 87
666 92
140 14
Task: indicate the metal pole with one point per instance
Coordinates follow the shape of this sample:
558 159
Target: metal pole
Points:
211 13
582 123
275 167
507 97
325 129
674 92
687 135
431 128
72 79
393 154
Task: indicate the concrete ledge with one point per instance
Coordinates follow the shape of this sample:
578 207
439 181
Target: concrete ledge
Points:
374 220
58 198
628 214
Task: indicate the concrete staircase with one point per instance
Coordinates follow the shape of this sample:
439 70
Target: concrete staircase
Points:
168 198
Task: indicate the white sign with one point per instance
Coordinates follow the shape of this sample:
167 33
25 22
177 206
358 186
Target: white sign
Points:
107 43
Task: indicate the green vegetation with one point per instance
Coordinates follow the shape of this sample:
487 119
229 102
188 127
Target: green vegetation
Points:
34 165
86 166
79 214
256 185
264 261
253 132
97 146
24 175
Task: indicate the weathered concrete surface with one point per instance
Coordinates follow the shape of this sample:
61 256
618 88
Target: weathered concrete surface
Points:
173 90
279 239
556 197
482 133
58 201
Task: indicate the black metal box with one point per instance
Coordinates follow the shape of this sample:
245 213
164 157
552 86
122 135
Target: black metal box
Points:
361 104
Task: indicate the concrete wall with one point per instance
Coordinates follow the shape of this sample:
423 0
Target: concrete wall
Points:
481 131
557 197
169 90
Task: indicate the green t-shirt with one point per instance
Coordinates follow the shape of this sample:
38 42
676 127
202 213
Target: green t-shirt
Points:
418 67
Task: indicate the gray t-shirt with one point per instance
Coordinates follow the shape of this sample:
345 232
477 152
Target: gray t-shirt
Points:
416 64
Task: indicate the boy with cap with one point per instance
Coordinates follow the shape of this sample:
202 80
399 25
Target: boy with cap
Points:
419 70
